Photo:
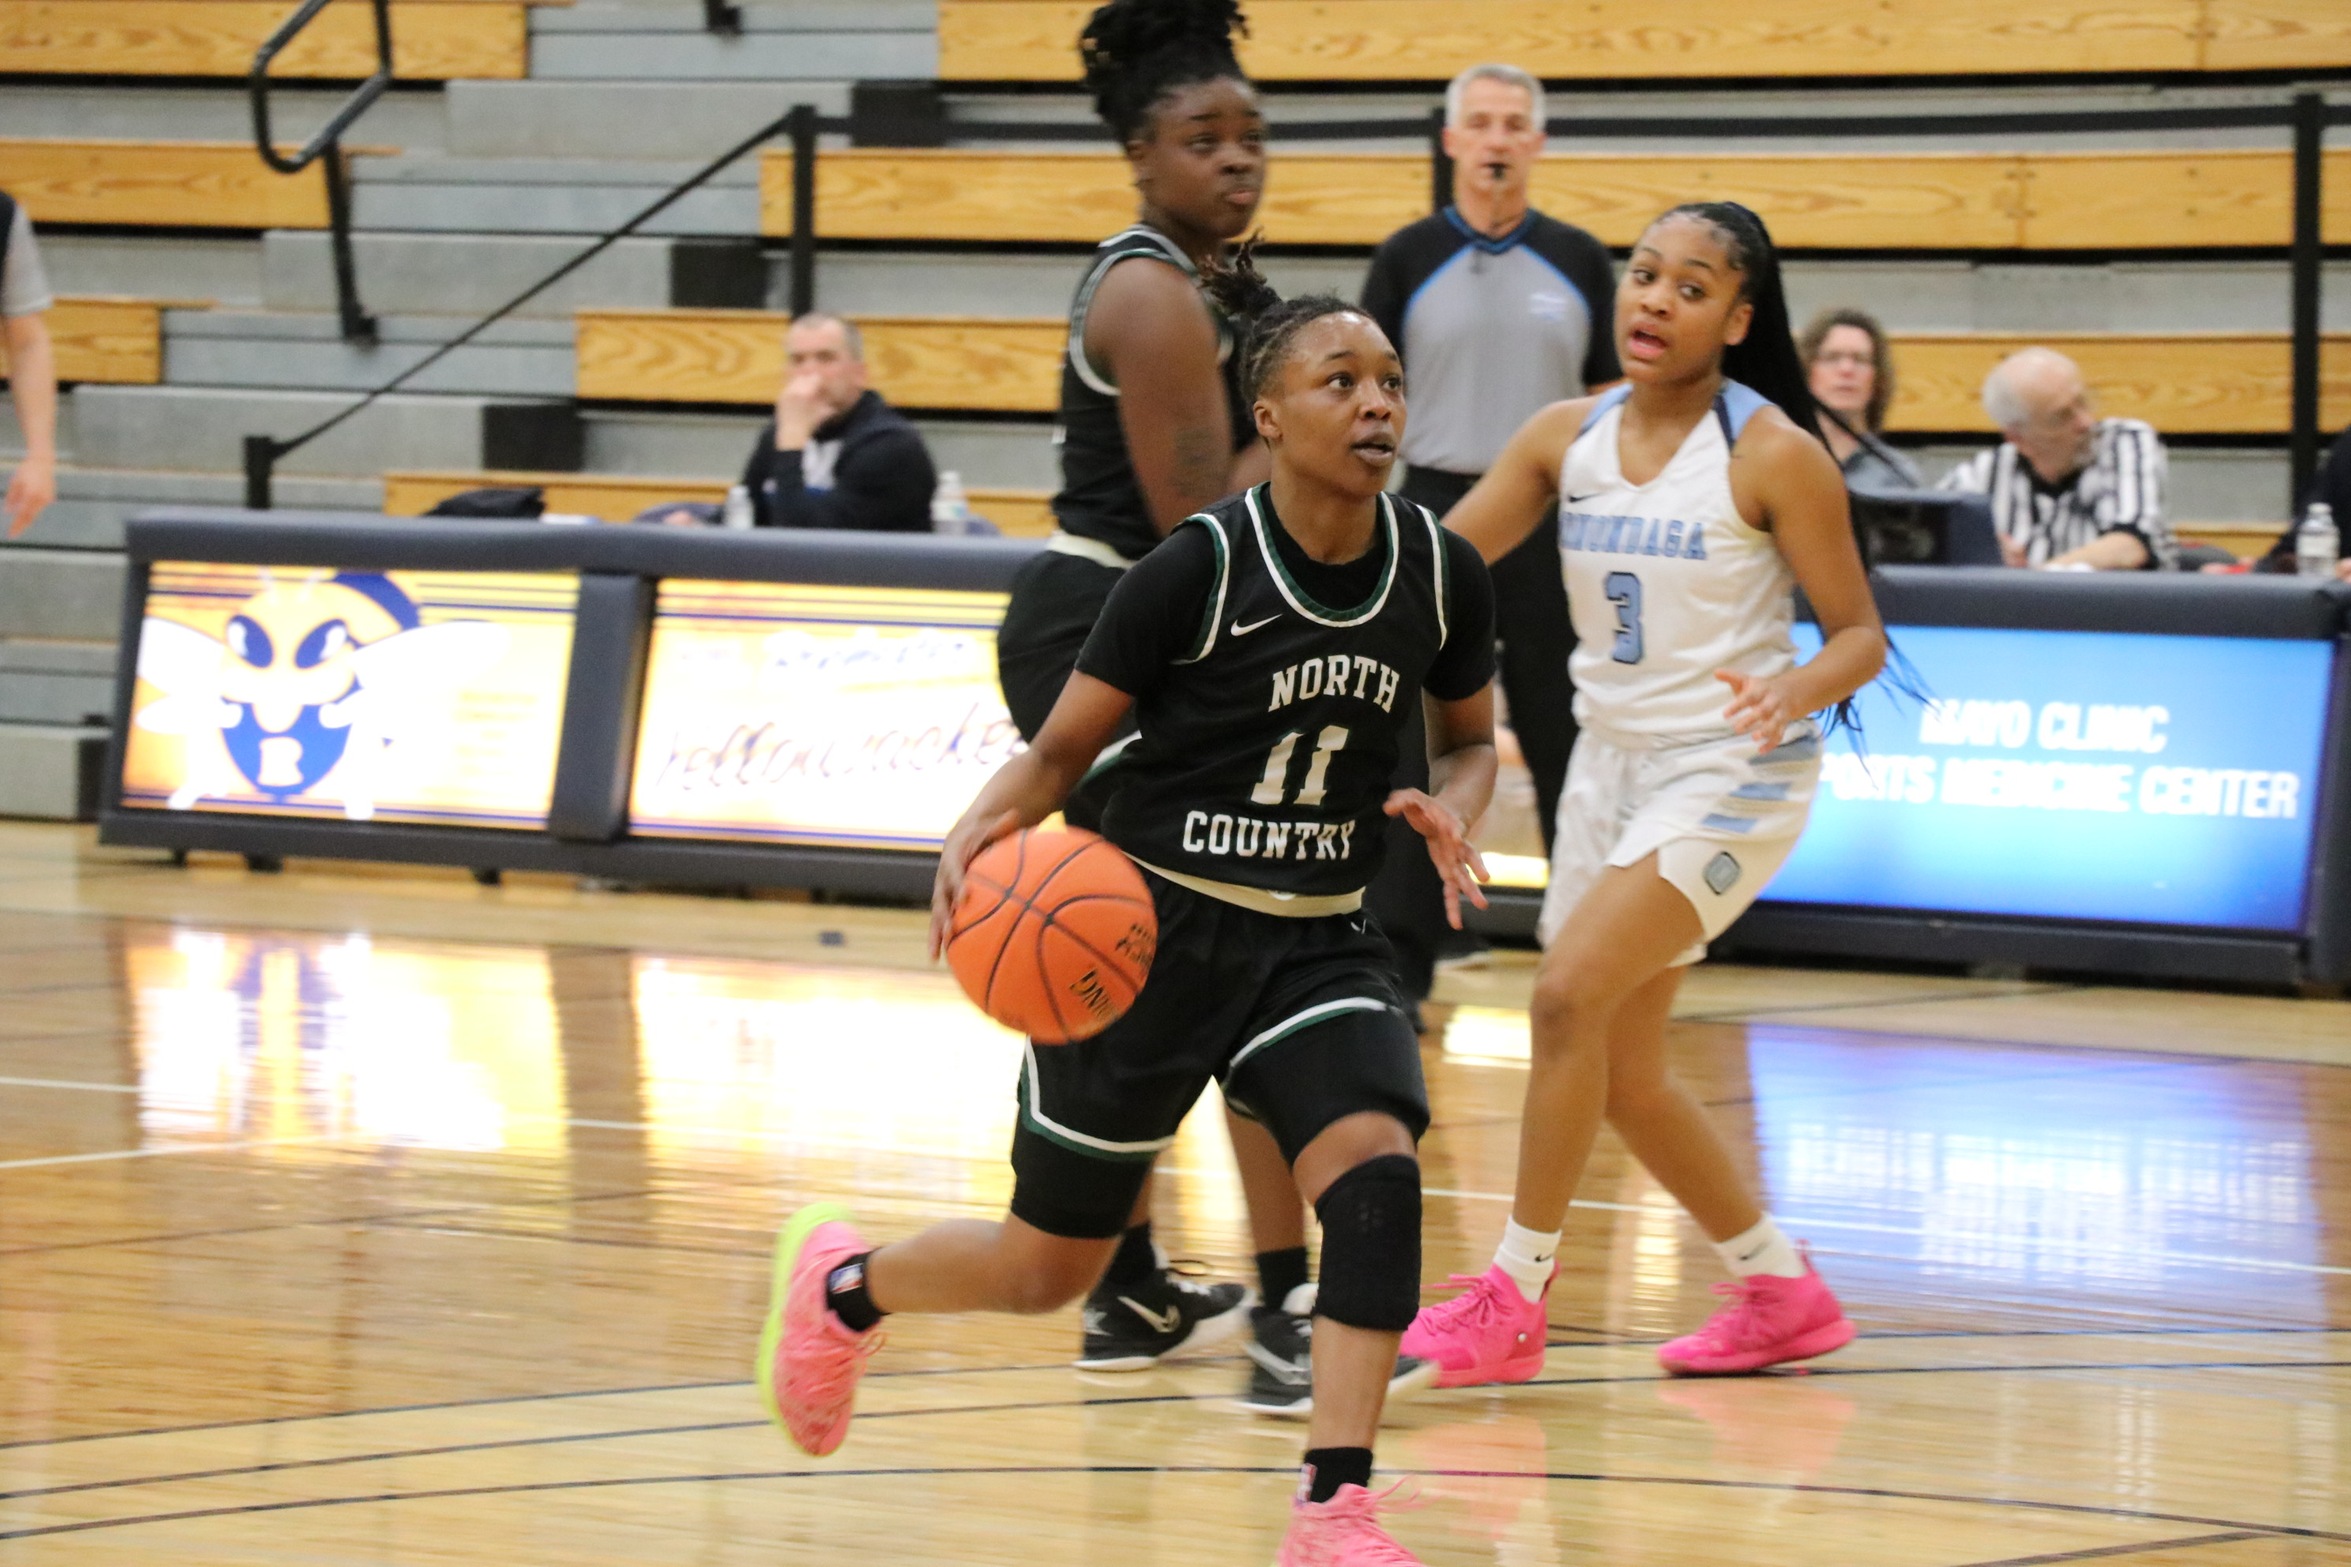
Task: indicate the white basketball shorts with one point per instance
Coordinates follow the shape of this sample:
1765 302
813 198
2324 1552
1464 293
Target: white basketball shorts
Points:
1720 816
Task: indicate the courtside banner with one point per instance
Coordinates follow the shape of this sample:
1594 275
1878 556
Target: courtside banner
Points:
2167 780
430 697
859 717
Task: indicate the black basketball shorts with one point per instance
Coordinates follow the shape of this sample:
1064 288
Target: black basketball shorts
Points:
1298 1020
1056 599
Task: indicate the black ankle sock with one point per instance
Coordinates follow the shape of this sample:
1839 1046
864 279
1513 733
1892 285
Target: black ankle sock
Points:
1279 1272
1135 1260
1328 1468
844 1292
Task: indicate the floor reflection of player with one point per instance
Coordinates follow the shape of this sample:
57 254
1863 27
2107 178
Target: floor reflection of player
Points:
1692 501
1269 978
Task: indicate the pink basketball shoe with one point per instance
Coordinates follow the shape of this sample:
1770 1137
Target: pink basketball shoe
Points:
1487 1333
809 1360
1767 1320
1344 1532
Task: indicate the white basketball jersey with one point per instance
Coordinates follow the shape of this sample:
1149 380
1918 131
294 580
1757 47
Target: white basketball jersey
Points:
1666 582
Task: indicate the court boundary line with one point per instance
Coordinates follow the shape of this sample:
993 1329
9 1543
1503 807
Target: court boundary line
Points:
572 1438
2187 1543
1697 1482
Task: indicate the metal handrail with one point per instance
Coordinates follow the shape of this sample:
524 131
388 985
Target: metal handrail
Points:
358 325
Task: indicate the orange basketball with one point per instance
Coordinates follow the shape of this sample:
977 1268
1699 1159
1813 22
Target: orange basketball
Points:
1054 933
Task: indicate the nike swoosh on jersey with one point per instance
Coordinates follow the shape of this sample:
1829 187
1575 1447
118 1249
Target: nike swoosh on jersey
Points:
1165 1321
1240 630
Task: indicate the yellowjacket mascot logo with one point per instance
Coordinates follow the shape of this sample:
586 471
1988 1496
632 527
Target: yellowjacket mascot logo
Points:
316 676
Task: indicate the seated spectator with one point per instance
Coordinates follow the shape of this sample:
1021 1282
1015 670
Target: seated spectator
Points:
835 455
2068 489
1851 369
32 367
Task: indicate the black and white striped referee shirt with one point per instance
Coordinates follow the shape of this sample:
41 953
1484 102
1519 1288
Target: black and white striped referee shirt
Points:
2120 490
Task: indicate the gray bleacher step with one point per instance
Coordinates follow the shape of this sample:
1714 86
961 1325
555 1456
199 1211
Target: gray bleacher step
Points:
989 454
50 772
204 428
60 595
12 432
147 266
547 195
137 111
93 504
55 682
892 282
511 358
477 273
791 40
622 119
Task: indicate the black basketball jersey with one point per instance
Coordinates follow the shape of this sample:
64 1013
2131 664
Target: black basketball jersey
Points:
1267 751
1100 498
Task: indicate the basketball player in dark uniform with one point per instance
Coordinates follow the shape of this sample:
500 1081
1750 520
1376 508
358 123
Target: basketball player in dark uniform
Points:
1152 429
1272 649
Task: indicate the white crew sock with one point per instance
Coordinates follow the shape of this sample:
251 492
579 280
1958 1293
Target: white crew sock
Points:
1763 1249
1528 1256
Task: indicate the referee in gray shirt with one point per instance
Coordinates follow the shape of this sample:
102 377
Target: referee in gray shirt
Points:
1498 311
32 367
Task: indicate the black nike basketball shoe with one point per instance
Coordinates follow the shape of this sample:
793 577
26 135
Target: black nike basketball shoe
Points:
1135 1327
1281 1361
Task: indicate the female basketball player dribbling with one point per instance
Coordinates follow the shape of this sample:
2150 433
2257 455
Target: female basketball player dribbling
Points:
1271 648
1692 499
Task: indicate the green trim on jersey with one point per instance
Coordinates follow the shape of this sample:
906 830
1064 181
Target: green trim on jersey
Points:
1302 601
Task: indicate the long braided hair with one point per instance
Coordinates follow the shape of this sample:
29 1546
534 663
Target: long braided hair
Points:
1136 52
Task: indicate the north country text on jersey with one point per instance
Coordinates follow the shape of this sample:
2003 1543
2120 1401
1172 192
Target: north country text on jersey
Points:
1254 838
1336 674
1613 535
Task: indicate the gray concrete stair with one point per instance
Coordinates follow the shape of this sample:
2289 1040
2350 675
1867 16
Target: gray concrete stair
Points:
50 772
53 595
55 682
988 454
203 429
409 118
148 266
782 40
437 194
473 274
247 348
93 504
622 119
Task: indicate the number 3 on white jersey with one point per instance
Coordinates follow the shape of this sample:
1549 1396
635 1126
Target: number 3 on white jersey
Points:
1624 591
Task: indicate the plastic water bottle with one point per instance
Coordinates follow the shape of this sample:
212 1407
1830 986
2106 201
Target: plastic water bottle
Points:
736 513
2317 546
950 507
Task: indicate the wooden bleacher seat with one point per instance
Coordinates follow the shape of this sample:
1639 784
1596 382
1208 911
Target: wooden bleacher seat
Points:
1409 40
2202 383
432 40
117 341
2103 201
618 497
161 184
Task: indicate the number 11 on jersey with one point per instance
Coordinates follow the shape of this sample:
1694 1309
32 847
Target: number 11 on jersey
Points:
1271 787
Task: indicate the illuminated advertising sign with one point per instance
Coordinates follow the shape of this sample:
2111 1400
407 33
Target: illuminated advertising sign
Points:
2077 775
432 697
856 716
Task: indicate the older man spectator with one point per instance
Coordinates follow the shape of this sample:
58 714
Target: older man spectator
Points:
1497 310
2068 489
835 455
32 366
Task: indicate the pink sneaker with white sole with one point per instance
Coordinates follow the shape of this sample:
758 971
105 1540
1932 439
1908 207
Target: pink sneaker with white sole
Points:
1768 1320
809 1360
1344 1532
1488 1333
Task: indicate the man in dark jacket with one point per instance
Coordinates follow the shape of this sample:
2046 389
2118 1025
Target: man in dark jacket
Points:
835 455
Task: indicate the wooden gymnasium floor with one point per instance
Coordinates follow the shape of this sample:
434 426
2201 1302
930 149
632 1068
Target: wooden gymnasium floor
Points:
356 1216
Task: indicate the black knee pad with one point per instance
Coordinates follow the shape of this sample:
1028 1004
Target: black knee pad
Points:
1371 1245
